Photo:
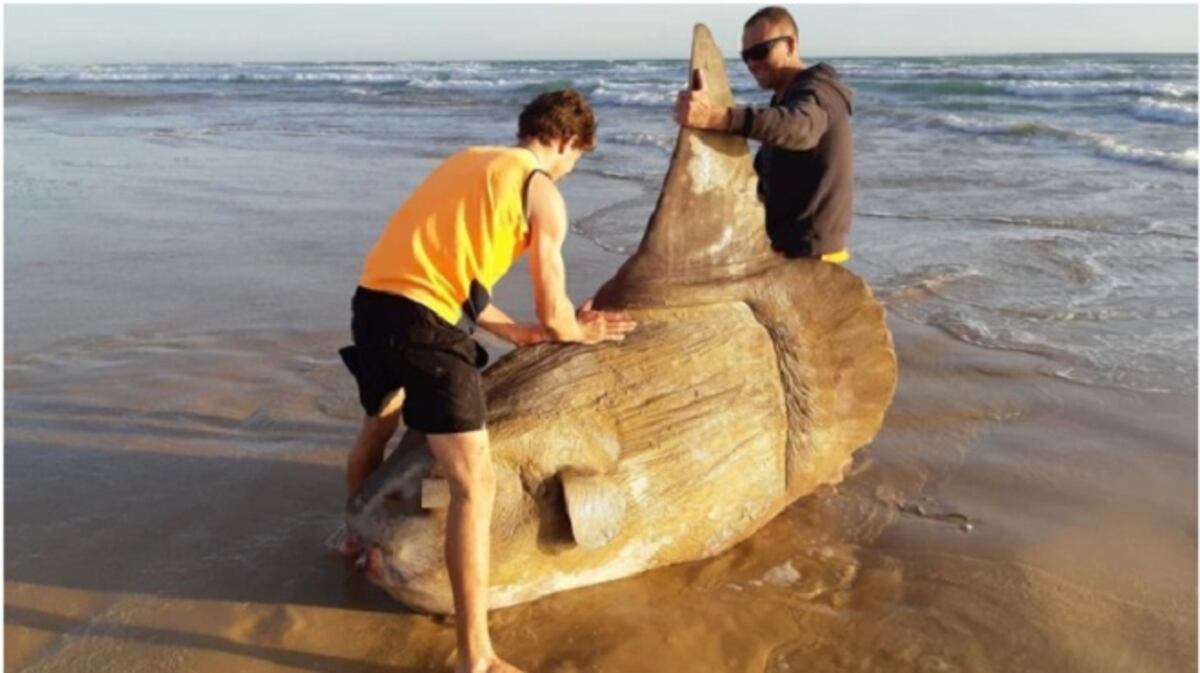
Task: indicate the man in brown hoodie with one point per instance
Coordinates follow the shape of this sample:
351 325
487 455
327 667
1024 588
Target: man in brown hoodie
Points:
806 163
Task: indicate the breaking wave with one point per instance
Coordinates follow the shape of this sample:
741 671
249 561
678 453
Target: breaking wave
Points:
1163 111
1100 144
643 139
1092 72
1058 89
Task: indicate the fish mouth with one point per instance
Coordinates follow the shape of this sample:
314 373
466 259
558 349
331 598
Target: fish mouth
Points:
371 563
418 586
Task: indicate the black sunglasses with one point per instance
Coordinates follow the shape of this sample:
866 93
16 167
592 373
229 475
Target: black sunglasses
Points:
759 51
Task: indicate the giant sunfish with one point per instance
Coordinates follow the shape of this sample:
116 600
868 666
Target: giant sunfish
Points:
750 381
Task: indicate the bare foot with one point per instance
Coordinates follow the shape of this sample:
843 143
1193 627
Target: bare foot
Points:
499 666
493 665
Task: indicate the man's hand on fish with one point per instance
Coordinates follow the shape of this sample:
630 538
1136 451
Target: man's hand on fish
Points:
694 108
601 326
596 326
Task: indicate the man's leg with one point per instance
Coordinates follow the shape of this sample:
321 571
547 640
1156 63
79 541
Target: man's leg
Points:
367 454
373 436
466 460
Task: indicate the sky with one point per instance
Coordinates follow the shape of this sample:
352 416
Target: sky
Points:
91 34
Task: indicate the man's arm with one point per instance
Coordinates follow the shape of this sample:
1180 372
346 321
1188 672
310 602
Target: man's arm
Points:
559 321
492 319
548 224
795 127
798 126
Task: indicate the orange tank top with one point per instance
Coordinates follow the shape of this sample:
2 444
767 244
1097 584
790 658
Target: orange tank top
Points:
457 234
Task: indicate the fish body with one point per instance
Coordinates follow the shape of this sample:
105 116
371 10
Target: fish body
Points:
750 381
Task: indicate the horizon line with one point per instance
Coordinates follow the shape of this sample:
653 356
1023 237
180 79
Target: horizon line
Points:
616 59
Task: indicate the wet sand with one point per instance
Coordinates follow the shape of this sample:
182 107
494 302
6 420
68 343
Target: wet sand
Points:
169 497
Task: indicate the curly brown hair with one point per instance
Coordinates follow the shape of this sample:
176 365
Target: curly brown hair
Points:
559 114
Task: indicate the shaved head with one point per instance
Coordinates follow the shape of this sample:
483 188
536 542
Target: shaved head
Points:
774 15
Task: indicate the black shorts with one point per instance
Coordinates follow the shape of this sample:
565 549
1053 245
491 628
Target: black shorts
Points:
399 343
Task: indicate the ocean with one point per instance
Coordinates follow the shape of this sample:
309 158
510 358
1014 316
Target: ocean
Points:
1042 203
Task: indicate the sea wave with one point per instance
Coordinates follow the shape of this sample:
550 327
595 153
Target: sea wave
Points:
1185 161
1057 88
1032 89
1084 364
102 98
643 139
1118 226
1097 314
367 86
607 94
921 283
497 84
989 127
1100 144
1164 111
218 77
1084 72
1001 72
1170 229
947 87
642 67
269 73
387 73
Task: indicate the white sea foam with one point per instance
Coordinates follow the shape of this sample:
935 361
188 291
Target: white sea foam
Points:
1171 229
263 73
1101 144
1056 88
991 72
465 84
1114 149
1156 110
643 139
605 94
1087 363
642 67
986 127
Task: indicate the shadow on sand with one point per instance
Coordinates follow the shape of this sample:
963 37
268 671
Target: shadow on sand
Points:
241 528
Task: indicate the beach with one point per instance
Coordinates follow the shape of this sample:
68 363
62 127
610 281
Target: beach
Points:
169 500
180 256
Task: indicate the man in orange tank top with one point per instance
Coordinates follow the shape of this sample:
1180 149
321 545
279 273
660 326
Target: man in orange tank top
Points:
433 269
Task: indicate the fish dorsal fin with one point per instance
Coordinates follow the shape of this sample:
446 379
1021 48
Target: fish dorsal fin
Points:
708 223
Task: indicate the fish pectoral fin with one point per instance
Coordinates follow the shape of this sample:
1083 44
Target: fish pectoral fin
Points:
595 507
